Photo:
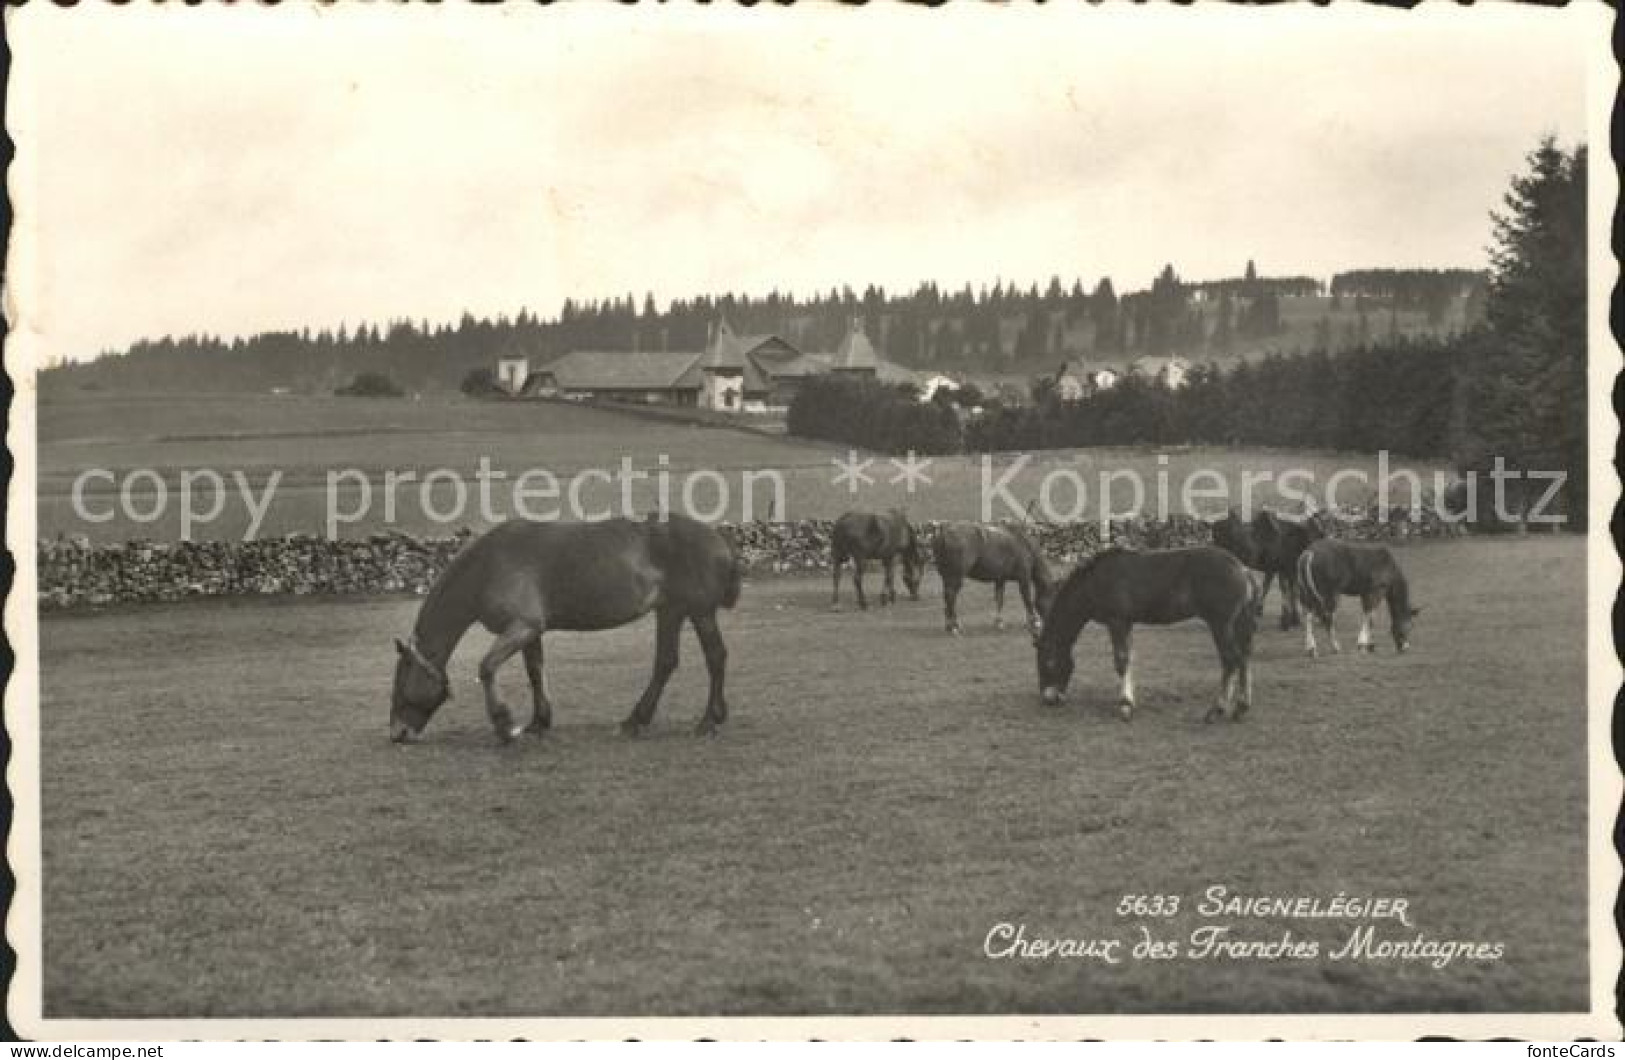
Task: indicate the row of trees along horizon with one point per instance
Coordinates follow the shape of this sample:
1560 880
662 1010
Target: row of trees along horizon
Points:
988 329
1513 385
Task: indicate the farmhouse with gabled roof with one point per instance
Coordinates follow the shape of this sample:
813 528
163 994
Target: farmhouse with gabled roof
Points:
734 373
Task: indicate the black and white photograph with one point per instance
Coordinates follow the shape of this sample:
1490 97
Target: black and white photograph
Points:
983 521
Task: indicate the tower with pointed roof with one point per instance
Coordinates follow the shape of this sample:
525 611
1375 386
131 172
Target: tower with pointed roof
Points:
722 371
856 355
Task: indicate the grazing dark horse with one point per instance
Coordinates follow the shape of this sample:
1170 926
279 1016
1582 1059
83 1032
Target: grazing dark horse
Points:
524 578
996 554
1270 545
861 536
1329 569
1119 588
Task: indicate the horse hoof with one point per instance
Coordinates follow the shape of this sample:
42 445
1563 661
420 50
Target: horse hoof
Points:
707 728
1126 711
955 631
631 729
1213 715
998 623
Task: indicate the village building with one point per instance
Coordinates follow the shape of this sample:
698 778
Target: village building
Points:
932 382
1169 372
1074 381
513 373
734 373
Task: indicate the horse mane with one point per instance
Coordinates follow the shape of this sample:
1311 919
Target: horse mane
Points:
442 585
1084 569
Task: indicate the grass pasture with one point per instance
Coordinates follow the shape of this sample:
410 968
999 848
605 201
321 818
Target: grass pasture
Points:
228 832
304 439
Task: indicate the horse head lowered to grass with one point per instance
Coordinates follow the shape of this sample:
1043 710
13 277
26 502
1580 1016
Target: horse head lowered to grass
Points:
1329 569
1119 588
523 578
887 537
997 553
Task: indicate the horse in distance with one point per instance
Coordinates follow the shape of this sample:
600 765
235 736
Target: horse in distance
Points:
1270 545
997 554
1329 569
1120 588
887 537
522 579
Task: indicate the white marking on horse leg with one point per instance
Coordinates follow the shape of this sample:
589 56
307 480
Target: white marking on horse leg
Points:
1309 634
1364 641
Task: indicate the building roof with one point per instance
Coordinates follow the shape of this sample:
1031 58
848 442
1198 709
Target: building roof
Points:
725 352
623 370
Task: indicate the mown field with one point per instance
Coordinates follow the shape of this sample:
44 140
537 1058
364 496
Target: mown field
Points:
305 440
228 832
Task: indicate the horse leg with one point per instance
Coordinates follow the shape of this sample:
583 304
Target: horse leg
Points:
857 582
1123 658
1290 616
1331 631
1368 606
668 623
716 665
1244 681
950 596
1263 594
835 594
1230 659
510 640
998 605
542 719
888 590
1035 625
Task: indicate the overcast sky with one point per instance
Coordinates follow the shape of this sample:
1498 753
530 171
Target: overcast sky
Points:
236 170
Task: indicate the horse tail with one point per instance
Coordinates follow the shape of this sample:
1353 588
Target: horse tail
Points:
1306 580
733 579
1244 622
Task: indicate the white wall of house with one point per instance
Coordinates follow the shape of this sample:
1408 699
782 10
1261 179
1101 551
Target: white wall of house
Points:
512 373
723 391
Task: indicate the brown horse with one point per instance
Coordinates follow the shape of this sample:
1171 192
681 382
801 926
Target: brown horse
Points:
1329 569
1271 545
1118 588
996 554
860 536
524 578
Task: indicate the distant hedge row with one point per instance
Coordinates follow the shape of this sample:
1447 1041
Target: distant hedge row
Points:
1401 395
75 574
